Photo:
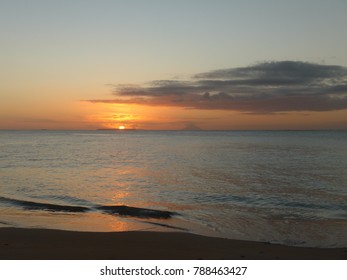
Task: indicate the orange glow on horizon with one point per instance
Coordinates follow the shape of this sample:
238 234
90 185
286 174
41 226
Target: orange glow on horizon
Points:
90 116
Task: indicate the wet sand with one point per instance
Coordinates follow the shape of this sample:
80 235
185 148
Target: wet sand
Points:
45 244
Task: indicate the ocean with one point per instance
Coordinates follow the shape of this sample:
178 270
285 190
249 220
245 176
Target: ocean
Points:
286 187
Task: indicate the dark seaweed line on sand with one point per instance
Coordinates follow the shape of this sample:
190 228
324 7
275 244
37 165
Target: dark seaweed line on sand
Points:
108 209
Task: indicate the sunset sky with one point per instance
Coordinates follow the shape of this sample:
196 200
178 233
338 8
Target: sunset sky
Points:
180 64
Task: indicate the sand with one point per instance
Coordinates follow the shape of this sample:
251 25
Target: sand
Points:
45 244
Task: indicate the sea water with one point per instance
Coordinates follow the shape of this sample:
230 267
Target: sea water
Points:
287 187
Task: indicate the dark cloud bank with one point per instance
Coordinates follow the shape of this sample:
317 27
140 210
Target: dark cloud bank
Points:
268 87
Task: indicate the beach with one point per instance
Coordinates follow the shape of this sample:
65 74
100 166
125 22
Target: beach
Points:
47 244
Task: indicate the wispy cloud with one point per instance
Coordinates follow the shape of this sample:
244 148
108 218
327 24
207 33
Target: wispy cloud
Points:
268 87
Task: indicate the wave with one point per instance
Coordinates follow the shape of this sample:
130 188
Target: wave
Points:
5 223
31 205
66 198
136 212
167 226
122 210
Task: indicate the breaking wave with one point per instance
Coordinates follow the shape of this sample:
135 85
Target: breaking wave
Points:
122 210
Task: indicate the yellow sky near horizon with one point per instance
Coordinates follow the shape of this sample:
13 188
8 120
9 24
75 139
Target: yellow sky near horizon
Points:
86 115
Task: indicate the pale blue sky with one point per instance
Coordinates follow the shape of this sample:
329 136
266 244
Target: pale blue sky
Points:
152 38
73 48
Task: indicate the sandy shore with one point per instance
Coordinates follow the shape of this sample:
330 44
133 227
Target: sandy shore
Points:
16 244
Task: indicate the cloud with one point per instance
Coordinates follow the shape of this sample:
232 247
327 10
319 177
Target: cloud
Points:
267 87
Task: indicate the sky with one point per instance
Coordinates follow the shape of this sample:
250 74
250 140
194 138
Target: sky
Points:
183 64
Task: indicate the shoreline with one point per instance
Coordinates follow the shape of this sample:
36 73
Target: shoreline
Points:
48 244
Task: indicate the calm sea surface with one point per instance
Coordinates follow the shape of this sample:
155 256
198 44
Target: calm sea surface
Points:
285 187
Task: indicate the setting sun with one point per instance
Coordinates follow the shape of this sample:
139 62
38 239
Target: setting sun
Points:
121 127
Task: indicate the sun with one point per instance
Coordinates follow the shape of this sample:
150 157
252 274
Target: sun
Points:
121 127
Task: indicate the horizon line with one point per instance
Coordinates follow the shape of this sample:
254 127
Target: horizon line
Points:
122 130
